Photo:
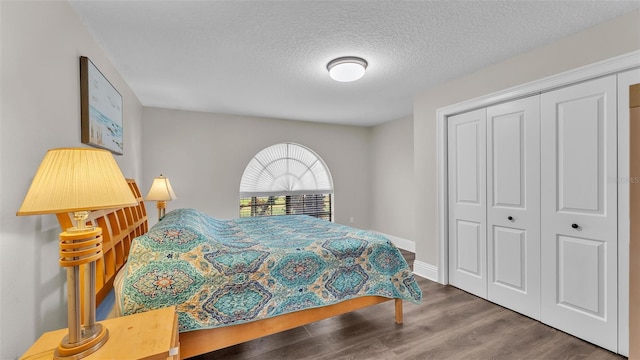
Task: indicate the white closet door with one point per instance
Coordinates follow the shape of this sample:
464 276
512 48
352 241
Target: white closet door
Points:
579 210
513 200
467 201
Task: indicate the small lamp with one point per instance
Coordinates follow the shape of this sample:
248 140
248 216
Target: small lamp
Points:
161 191
78 180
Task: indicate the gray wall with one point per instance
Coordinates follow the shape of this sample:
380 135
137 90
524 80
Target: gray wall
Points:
392 185
204 156
612 38
40 110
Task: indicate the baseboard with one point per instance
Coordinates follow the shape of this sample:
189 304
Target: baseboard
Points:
403 244
420 268
425 270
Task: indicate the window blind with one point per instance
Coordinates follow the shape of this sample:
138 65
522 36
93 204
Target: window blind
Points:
286 179
285 168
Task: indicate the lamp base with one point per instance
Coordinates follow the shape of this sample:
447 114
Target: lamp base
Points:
161 205
93 338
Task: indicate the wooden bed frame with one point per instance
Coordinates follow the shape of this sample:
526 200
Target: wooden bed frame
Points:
121 226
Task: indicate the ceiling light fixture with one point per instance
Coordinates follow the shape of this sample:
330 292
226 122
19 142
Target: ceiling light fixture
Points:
346 69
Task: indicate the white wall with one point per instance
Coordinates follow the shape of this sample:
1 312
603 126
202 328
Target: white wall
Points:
392 178
40 109
204 155
612 38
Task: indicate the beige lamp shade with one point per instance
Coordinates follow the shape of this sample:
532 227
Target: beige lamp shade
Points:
161 190
80 179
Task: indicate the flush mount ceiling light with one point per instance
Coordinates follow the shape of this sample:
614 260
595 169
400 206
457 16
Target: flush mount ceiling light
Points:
347 68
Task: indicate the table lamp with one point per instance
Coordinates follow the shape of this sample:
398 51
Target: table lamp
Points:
78 180
161 191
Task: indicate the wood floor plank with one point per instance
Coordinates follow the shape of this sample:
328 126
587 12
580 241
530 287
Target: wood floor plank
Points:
449 324
260 346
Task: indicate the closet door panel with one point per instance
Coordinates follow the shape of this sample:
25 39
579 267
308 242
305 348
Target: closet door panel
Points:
579 210
510 259
467 201
513 213
469 257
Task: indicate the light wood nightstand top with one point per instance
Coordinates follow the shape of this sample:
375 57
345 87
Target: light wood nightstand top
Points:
148 335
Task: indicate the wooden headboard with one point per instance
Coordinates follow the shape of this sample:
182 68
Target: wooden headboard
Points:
119 227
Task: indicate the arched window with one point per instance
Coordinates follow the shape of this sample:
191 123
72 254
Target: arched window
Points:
286 179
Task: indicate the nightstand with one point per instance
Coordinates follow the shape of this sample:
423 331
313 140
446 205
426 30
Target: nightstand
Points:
149 335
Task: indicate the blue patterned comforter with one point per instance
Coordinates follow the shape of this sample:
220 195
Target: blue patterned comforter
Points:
225 272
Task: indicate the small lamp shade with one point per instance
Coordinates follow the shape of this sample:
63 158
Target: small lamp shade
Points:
161 190
70 180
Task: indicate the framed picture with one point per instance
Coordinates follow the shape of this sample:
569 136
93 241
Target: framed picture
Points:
100 109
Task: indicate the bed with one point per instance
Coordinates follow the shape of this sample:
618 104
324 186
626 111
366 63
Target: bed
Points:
240 279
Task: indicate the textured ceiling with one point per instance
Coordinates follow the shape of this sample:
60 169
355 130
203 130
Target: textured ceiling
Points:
268 58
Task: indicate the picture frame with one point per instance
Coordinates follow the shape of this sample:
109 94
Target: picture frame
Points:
100 110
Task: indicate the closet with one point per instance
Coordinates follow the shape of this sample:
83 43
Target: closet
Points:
533 207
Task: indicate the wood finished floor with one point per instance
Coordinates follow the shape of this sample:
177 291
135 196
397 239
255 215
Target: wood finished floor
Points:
448 324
